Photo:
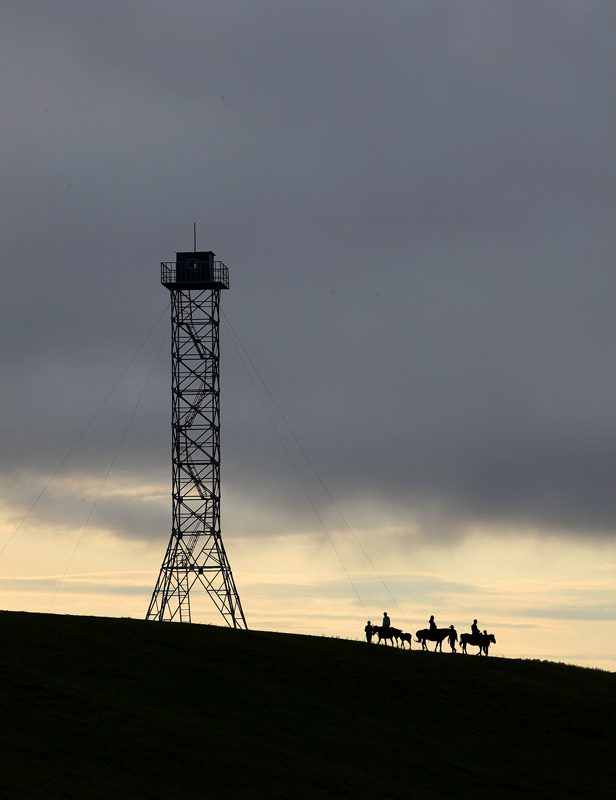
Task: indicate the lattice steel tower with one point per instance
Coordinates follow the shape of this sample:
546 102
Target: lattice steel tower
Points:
195 555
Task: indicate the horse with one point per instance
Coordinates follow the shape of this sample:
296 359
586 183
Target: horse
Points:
406 637
482 641
387 633
438 636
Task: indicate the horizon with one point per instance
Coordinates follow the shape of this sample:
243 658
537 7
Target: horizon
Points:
416 206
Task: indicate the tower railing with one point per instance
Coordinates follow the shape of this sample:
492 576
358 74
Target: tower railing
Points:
204 274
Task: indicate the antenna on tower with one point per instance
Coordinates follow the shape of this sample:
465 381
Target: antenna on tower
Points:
195 557
195 235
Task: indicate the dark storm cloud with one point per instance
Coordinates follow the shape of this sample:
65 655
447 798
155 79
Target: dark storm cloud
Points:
416 203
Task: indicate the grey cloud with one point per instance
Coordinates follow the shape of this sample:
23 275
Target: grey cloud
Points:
86 501
71 586
415 589
603 612
416 204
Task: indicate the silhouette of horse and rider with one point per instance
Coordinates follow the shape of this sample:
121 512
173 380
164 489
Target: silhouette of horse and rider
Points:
478 639
438 635
387 633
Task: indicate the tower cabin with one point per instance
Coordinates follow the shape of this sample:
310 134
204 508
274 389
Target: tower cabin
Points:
195 270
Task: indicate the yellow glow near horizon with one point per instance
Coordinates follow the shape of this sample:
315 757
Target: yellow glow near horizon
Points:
548 599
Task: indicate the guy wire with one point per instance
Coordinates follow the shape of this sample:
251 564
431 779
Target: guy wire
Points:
299 478
314 469
100 491
83 432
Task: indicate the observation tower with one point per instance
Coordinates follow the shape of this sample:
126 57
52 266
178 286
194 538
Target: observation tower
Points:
195 557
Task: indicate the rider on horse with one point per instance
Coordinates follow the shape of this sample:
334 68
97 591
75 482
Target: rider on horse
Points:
432 624
474 629
386 620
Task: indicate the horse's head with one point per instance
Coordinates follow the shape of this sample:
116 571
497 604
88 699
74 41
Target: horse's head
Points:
492 638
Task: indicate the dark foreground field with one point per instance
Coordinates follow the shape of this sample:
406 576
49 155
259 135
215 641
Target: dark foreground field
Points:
117 708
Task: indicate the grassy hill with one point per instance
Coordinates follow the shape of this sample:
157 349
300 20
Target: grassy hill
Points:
118 708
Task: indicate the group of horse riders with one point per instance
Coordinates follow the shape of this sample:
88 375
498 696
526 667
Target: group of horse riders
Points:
388 633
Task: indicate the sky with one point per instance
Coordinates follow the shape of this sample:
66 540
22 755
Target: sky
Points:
416 204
